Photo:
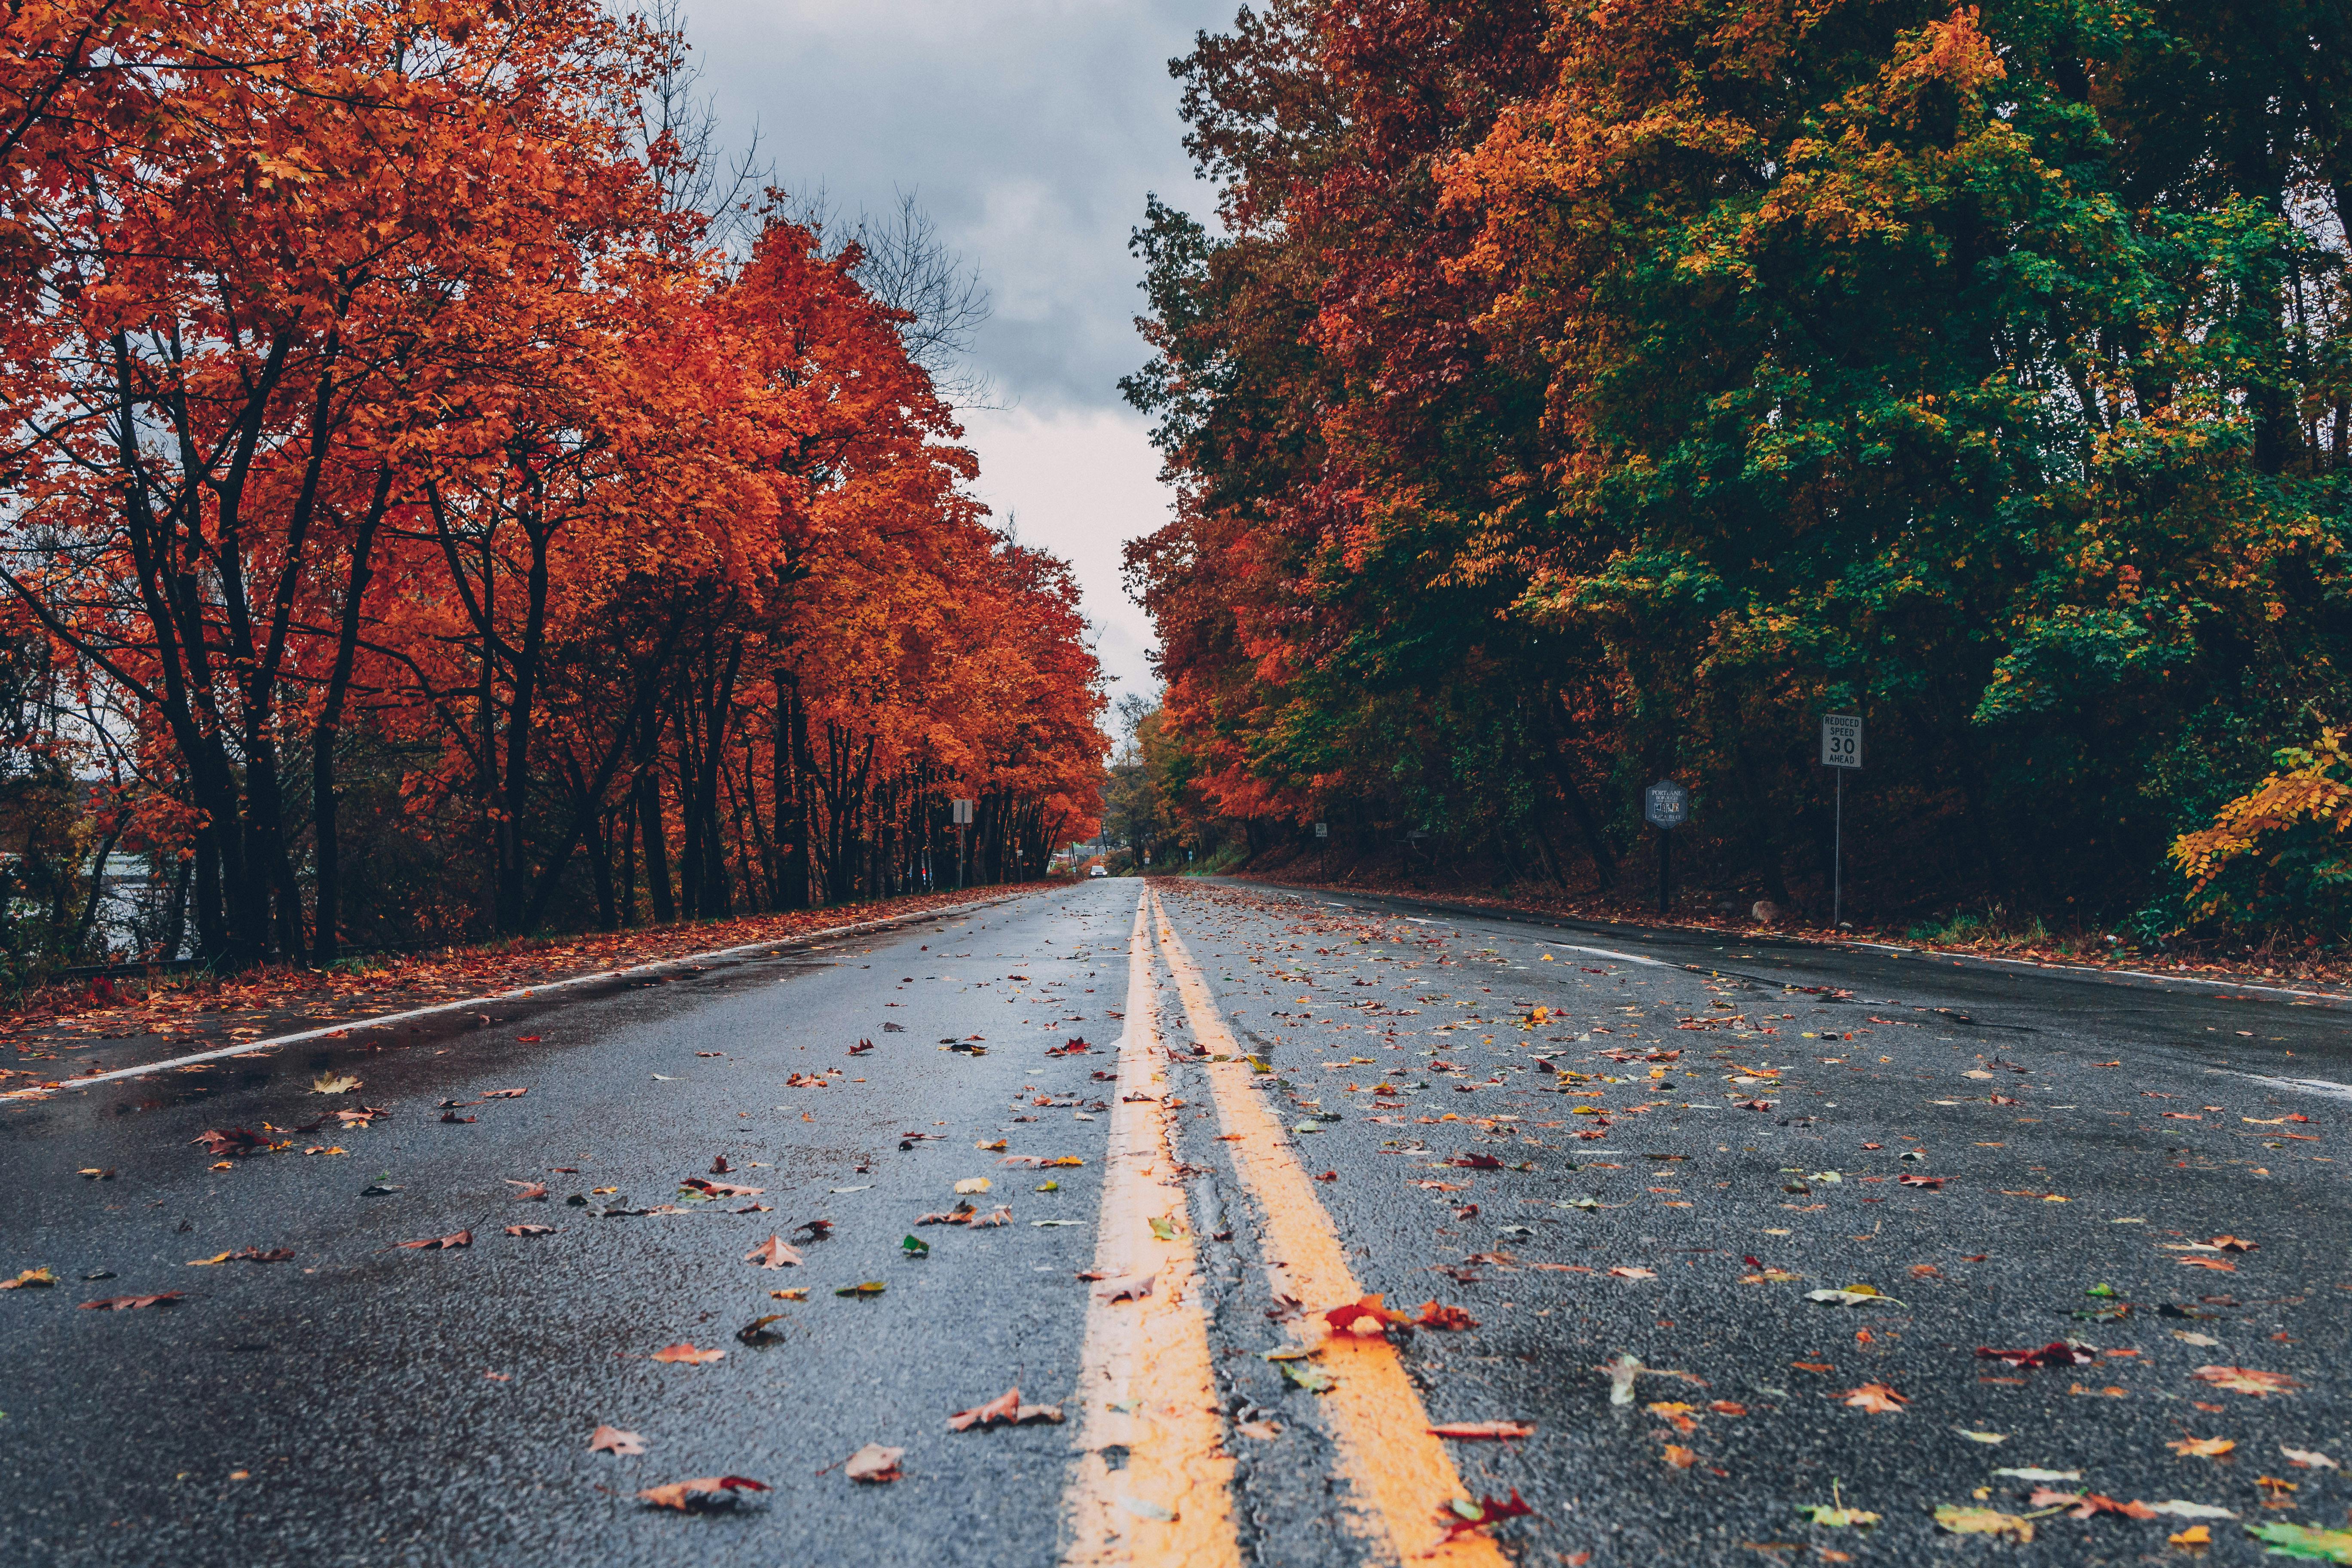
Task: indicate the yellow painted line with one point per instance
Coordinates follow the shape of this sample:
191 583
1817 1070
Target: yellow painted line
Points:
1144 1382
1400 1478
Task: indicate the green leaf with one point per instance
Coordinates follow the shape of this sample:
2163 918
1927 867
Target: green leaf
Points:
914 1248
871 1288
1163 1228
1313 1379
2307 1541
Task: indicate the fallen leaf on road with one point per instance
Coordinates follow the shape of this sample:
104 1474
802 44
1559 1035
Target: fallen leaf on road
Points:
1680 1457
2195 1535
800 1294
2305 1541
1131 1287
2201 1447
510 1094
30 1279
528 1192
236 1140
703 1491
2308 1459
973 1185
1981 1436
1366 1317
1932 1183
1006 1409
687 1355
1264 1431
1434 1316
455 1238
1632 1273
1853 1296
874 1463
757 1334
1874 1397
2084 1505
867 1287
1463 1515
612 1440
1835 1514
531 1230
1675 1414
1469 1430
334 1083
2058 1353
711 1189
2242 1380
772 1254
1984 1521
2033 1473
1314 1380
125 1303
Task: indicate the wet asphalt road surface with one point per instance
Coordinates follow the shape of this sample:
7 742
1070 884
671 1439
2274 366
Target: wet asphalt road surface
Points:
362 1403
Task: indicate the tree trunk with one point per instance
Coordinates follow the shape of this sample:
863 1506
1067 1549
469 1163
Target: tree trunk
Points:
327 896
791 781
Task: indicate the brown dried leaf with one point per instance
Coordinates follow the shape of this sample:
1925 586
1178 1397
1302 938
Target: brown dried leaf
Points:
1132 1288
2243 1380
703 1491
772 1254
1876 1398
455 1238
874 1463
1467 1430
125 1303
612 1440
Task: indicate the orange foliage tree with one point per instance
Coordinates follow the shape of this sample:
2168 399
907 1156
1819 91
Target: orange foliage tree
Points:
369 399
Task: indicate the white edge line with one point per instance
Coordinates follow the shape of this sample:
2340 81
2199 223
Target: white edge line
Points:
2301 1085
374 1019
1620 957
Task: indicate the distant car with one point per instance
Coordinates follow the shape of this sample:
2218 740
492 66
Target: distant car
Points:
1096 871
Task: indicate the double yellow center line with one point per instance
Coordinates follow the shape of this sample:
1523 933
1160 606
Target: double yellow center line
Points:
1147 1387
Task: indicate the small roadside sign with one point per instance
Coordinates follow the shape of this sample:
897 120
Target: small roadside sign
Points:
962 811
1322 830
1841 740
1665 803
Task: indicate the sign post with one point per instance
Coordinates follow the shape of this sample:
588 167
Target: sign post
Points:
962 820
1322 837
1665 805
1841 750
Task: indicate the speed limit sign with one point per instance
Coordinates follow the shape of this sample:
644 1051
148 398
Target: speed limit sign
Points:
1841 740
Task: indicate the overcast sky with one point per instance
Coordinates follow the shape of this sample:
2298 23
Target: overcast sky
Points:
1029 130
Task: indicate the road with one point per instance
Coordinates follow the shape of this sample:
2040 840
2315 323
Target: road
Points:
1632 1151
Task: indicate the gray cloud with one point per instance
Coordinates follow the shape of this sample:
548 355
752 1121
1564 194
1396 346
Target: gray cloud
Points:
1029 129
